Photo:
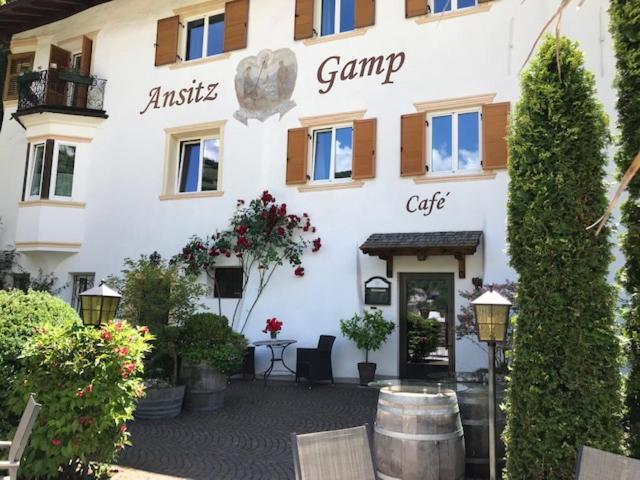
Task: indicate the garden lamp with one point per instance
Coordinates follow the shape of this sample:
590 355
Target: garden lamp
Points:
492 317
99 305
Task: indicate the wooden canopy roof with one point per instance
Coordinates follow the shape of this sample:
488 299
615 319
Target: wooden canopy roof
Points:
423 244
20 15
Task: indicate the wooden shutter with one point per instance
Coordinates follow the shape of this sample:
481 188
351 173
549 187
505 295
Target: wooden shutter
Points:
297 149
304 19
364 149
415 8
59 60
26 173
495 118
412 152
365 13
16 64
85 69
46 170
167 40
236 21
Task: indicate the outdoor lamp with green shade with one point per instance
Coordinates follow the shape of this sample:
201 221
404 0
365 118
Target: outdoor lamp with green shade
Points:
99 305
492 316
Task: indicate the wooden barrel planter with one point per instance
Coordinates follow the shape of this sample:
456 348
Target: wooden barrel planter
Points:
159 403
418 434
474 410
205 387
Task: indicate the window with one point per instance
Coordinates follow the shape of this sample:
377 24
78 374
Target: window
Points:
198 165
65 162
441 6
81 283
61 178
332 153
204 37
17 64
228 282
336 16
455 142
37 165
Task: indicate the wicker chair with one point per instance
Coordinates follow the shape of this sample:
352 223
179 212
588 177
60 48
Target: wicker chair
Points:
20 439
314 364
594 464
336 455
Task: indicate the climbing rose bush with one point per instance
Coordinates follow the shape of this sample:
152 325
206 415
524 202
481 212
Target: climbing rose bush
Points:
87 380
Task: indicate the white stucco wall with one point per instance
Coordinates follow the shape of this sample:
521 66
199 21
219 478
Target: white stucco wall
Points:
122 169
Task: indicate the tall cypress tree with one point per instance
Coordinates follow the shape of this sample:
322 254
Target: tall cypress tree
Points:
625 28
564 389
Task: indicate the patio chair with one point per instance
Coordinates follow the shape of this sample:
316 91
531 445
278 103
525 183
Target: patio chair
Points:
20 439
336 455
594 464
314 364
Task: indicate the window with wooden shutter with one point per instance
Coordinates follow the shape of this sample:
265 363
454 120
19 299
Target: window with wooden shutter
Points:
85 69
364 149
365 13
495 119
16 64
303 19
167 40
415 8
297 149
236 24
413 132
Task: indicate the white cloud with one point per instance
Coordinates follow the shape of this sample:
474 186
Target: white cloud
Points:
468 159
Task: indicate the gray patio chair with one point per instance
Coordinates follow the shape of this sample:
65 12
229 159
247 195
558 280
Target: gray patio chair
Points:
334 455
594 464
20 439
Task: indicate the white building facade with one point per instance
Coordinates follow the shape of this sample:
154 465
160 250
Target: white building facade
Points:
375 117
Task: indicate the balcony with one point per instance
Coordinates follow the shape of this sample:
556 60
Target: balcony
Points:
60 91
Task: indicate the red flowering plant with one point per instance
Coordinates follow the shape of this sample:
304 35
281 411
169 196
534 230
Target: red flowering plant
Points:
262 235
87 381
273 326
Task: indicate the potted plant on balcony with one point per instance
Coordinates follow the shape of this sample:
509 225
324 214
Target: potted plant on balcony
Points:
159 296
209 350
368 332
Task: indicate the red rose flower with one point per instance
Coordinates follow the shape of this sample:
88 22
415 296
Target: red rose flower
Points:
56 442
299 272
281 231
242 229
267 197
282 211
316 245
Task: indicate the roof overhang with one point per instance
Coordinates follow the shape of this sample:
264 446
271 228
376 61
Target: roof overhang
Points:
20 15
422 245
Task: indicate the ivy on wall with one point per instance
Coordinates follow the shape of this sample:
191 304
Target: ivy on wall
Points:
565 383
625 29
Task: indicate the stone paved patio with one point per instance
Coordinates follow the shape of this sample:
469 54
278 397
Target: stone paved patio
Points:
250 438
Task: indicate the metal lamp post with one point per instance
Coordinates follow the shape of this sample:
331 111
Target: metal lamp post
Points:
492 318
99 305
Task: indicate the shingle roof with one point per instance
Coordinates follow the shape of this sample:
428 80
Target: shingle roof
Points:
425 242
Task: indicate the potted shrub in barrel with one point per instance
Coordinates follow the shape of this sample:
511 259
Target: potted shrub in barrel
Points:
210 350
368 332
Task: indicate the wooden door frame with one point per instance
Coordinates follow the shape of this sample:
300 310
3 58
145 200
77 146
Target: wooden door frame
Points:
402 317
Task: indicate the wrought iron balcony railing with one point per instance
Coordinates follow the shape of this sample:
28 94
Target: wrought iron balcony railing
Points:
60 91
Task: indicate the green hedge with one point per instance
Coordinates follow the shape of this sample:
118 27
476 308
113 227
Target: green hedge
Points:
625 28
20 315
564 388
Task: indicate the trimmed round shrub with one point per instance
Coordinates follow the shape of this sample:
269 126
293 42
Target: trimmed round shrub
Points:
206 337
564 388
20 314
87 381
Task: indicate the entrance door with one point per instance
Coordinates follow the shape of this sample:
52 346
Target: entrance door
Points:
427 337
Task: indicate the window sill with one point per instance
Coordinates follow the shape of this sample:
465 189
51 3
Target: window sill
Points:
436 17
336 36
51 203
200 61
331 186
490 175
189 196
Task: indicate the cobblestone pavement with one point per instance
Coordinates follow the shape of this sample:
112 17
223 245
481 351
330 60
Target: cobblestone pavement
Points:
249 439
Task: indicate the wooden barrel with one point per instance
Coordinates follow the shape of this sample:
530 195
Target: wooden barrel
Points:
418 434
159 403
205 387
474 410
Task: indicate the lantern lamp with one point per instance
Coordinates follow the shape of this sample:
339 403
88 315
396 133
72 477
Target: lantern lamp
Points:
492 316
99 305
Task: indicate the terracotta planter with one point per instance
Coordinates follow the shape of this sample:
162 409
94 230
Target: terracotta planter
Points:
367 371
159 403
205 387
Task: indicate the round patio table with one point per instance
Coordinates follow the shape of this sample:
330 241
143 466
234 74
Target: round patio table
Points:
273 345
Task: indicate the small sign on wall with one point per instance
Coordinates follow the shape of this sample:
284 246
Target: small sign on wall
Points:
377 291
